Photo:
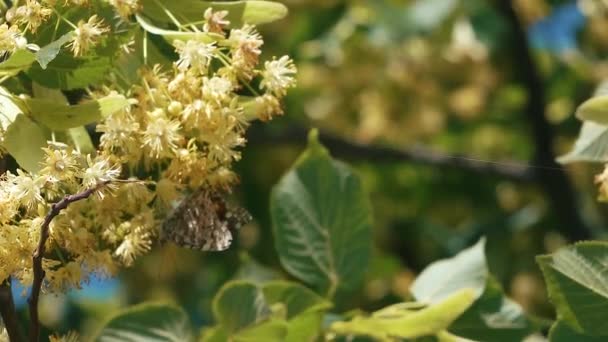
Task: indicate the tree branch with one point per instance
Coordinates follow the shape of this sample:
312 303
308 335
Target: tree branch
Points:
56 208
556 184
419 154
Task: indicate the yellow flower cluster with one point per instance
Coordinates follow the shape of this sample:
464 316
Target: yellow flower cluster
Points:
182 130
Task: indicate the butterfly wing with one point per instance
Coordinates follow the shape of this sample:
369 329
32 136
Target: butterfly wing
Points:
200 222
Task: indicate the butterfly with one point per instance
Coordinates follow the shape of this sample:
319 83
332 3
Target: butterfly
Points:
204 221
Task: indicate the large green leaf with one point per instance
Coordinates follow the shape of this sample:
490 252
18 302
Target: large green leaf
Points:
275 311
239 12
591 145
403 321
60 116
24 140
578 286
147 322
67 72
321 220
561 332
468 269
18 61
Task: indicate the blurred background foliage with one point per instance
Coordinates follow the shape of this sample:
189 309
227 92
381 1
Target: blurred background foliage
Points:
433 76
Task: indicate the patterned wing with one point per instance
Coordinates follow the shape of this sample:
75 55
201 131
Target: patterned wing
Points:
204 221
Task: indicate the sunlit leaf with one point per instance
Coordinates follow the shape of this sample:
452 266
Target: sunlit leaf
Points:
60 116
322 221
442 278
24 140
239 12
591 145
170 35
578 286
409 323
18 61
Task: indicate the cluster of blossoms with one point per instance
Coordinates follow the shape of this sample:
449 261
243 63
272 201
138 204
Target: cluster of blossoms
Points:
182 131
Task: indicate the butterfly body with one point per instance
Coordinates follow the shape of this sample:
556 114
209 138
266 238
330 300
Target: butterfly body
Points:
204 221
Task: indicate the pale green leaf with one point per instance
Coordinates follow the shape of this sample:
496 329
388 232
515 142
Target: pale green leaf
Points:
18 61
578 285
409 323
60 116
591 145
322 222
170 35
80 138
468 269
239 12
24 140
8 108
303 308
147 322
271 331
47 53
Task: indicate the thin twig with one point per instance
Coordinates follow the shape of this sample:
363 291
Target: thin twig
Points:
39 273
419 154
8 312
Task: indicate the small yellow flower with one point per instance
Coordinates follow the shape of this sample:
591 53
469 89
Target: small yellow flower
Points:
215 21
10 38
125 8
99 171
278 76
246 43
161 137
87 35
194 54
32 15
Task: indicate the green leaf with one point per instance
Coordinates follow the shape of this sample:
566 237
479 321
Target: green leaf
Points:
304 309
591 145
147 322
321 220
8 108
578 286
561 332
425 15
468 269
80 138
239 12
46 54
493 317
66 72
274 330
18 61
402 321
238 305
60 116
170 35
24 140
